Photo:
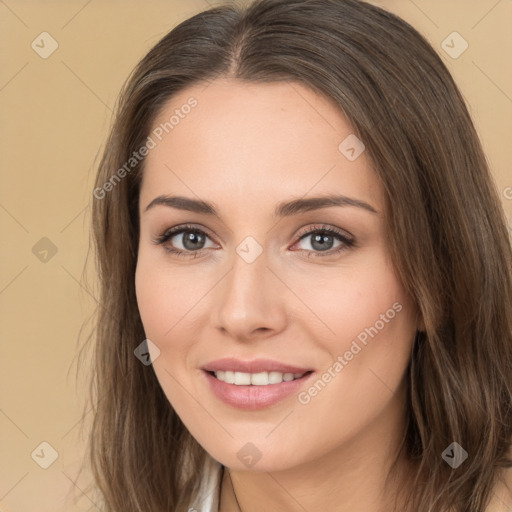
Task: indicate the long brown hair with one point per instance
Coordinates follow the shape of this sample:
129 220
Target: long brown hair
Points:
447 232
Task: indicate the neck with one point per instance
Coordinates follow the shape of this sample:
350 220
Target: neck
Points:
351 478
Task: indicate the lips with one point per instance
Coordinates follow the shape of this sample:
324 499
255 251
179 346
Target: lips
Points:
253 397
255 366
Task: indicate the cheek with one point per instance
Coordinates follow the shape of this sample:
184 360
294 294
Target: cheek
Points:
163 309
164 297
172 309
371 326
352 303
373 320
153 297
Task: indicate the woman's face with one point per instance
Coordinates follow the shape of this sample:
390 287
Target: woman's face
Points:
261 284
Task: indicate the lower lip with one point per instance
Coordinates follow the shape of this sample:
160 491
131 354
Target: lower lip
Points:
254 397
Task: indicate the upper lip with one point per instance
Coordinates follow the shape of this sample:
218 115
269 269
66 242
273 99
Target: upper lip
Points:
254 366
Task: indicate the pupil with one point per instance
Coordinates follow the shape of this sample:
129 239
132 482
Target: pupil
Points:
321 240
191 240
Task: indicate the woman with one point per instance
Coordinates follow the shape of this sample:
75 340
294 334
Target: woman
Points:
296 225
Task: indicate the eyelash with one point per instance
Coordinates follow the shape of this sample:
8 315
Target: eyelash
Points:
347 242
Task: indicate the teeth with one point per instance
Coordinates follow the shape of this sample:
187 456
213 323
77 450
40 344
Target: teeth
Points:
255 379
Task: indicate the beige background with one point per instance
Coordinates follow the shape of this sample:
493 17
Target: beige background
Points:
55 116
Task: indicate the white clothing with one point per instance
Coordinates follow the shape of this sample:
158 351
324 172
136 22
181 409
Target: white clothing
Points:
207 499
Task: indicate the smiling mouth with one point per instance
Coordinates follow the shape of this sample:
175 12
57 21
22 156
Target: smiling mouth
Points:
256 379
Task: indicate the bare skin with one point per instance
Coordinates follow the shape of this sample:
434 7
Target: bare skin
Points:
245 148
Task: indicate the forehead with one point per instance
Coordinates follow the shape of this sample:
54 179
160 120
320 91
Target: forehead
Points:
254 143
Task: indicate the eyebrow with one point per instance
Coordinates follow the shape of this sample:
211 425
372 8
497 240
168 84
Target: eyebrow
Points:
284 209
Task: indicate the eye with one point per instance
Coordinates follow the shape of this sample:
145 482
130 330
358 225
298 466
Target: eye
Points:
322 240
192 244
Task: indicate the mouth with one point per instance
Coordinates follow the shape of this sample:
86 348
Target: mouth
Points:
265 378
254 385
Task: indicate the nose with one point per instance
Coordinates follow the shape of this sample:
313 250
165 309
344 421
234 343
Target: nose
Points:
249 301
